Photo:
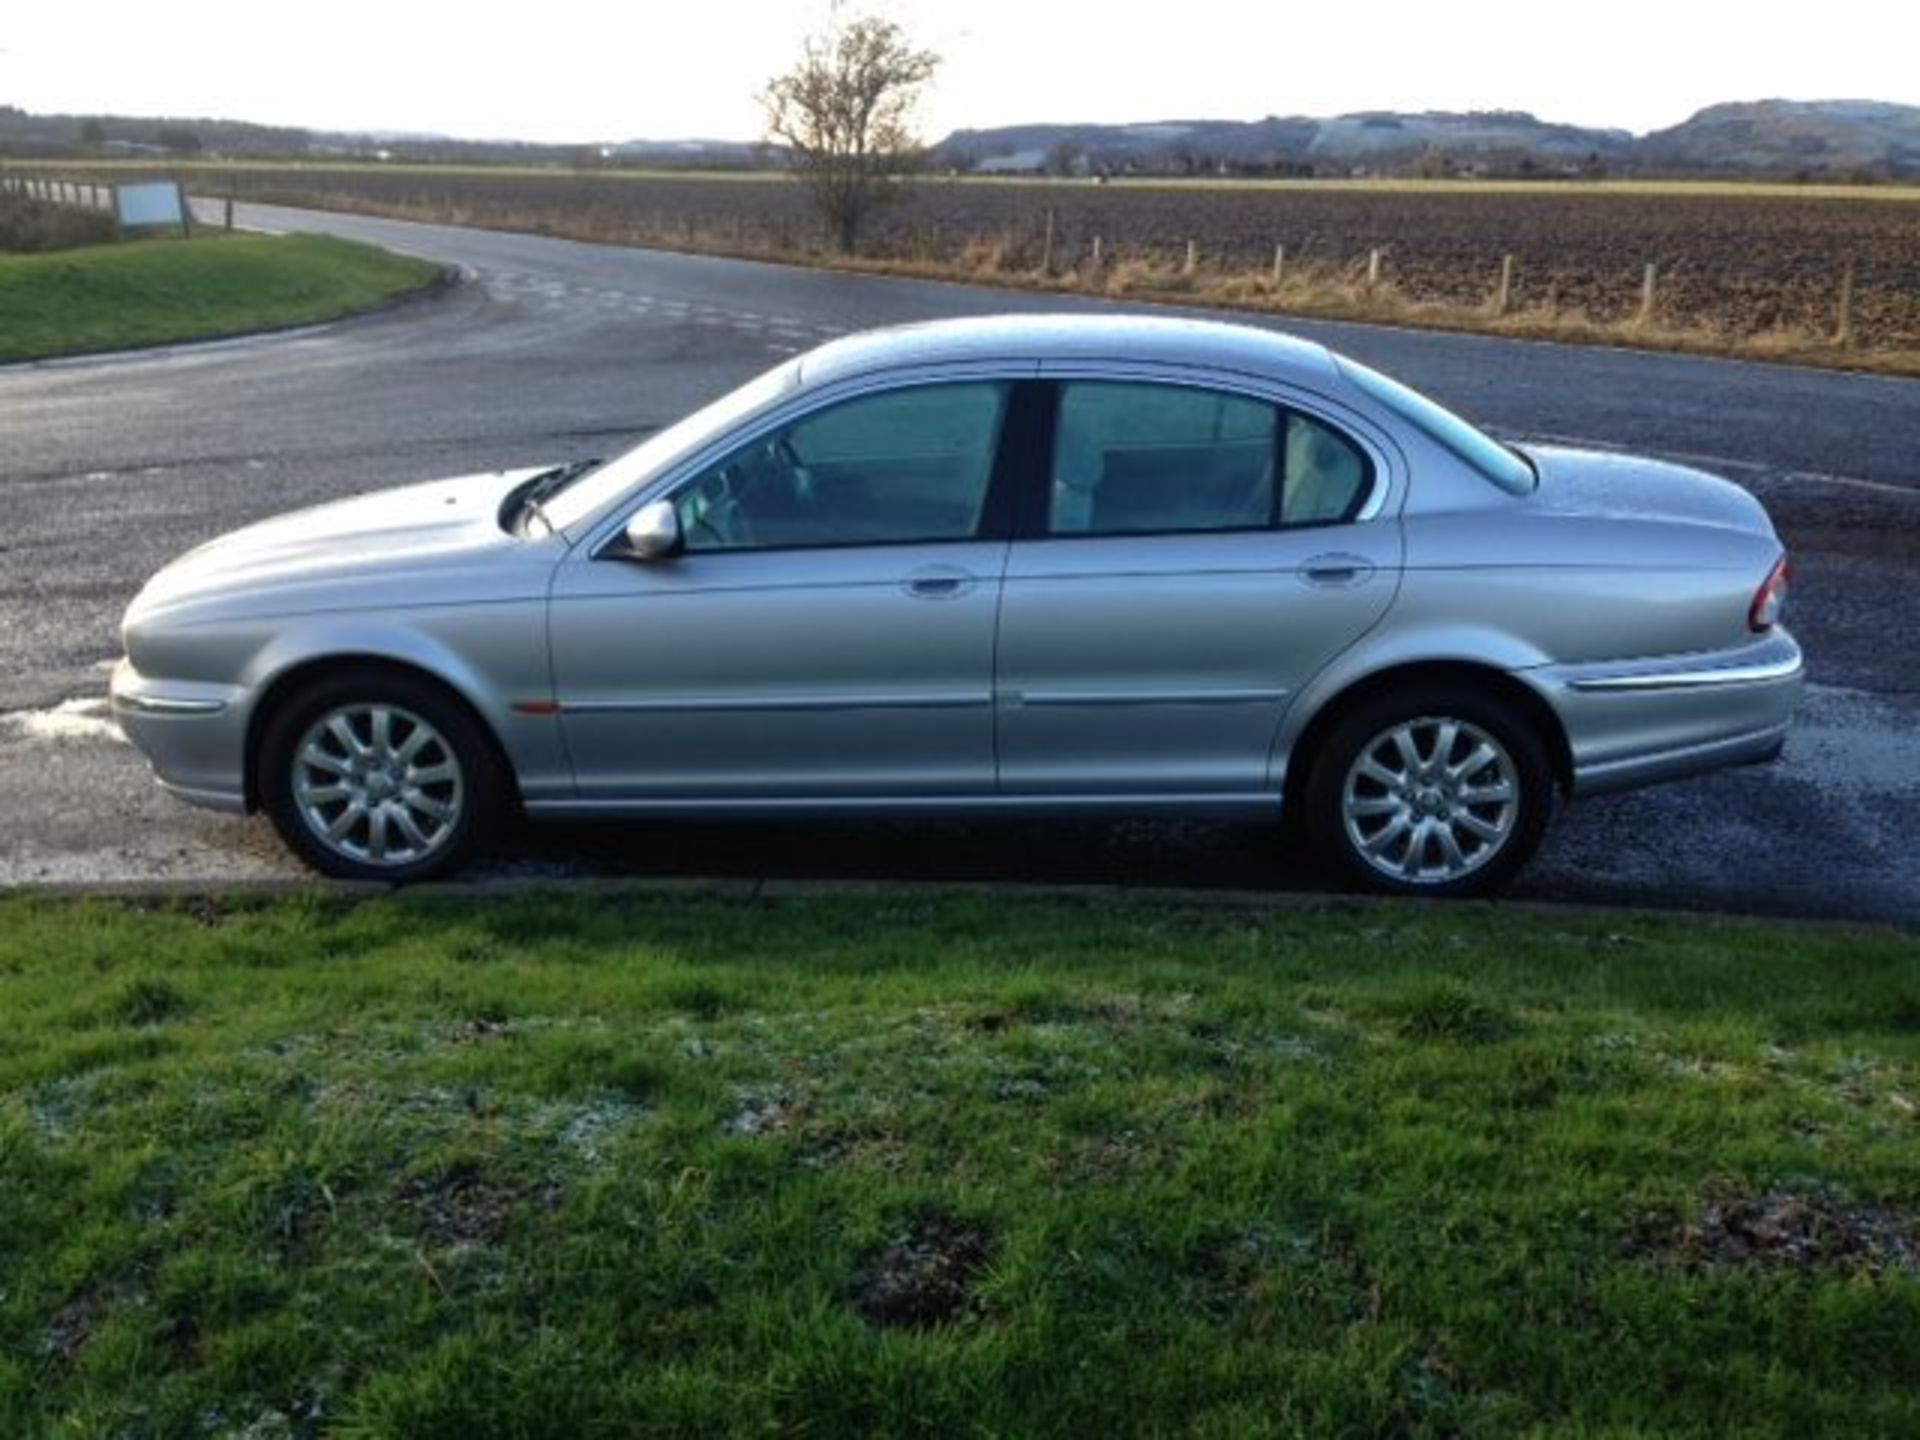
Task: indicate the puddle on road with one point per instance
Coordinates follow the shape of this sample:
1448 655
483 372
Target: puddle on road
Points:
81 718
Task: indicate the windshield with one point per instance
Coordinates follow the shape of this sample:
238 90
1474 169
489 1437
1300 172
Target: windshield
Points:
568 507
1502 466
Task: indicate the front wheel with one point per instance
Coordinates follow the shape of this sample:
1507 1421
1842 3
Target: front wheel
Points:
1441 791
370 775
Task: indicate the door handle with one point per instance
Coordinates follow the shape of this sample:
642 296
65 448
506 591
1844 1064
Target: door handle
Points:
1338 570
939 583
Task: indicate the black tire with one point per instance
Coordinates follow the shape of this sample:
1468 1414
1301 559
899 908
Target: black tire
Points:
1435 799
481 786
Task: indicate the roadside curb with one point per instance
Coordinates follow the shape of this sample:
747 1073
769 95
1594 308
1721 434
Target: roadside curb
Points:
449 278
758 889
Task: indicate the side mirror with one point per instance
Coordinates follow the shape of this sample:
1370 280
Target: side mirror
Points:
654 531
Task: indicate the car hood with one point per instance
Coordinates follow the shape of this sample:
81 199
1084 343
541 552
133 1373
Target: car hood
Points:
1628 487
369 541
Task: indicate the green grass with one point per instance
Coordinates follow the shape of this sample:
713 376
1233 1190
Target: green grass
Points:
910 1163
153 292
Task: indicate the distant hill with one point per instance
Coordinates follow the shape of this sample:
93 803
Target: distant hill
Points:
693 154
1374 140
1791 136
1814 138
151 137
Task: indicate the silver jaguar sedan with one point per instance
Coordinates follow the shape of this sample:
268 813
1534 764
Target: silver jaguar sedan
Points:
1020 565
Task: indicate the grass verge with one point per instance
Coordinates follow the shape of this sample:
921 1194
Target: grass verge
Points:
154 292
1337 292
942 1164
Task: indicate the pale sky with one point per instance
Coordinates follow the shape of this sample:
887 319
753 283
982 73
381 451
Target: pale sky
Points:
566 70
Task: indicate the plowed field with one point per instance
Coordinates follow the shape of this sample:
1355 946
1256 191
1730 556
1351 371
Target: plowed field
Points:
1727 261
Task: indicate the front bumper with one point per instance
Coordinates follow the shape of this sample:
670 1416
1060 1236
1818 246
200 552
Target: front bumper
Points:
193 733
1637 723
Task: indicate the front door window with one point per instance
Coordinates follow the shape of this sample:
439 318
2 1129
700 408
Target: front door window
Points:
897 468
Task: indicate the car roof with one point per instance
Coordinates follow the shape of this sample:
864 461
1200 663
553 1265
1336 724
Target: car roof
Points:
1157 339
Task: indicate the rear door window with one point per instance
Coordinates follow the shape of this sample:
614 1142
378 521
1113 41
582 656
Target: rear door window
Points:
1139 459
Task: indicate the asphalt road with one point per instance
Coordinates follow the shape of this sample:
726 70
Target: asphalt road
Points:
551 349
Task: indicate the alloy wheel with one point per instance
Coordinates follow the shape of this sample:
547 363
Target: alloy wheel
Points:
1430 800
377 784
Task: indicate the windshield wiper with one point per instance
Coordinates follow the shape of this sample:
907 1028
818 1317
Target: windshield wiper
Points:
547 484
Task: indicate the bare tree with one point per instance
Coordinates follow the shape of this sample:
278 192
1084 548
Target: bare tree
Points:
843 113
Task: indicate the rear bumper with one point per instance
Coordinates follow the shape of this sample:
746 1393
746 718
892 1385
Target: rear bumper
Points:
194 735
1640 722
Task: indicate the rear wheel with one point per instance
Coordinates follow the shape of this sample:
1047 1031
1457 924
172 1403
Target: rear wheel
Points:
1438 791
373 775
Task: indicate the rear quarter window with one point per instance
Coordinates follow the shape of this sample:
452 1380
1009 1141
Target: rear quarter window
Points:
1479 450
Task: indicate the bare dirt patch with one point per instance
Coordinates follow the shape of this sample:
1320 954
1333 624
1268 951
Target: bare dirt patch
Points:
927 1275
1807 1229
72 1327
463 1205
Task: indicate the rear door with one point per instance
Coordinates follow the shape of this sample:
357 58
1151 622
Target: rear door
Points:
1189 556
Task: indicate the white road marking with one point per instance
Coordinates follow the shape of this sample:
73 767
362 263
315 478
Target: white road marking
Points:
82 718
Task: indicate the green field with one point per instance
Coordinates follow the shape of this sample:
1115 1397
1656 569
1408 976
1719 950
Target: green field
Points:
155 292
900 1162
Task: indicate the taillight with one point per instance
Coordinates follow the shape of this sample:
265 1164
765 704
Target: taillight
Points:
1771 598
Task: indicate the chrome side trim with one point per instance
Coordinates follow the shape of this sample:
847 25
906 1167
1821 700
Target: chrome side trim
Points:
1225 803
165 704
757 704
1044 698
1763 672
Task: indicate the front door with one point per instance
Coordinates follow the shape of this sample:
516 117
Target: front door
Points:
828 630
1197 558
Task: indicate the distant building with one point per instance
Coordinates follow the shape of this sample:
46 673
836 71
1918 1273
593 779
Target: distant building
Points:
1021 162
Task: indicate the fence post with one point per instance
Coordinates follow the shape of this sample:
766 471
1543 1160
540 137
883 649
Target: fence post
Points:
1046 246
1843 320
1098 258
1373 267
229 212
1279 264
1504 297
1193 259
1647 287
